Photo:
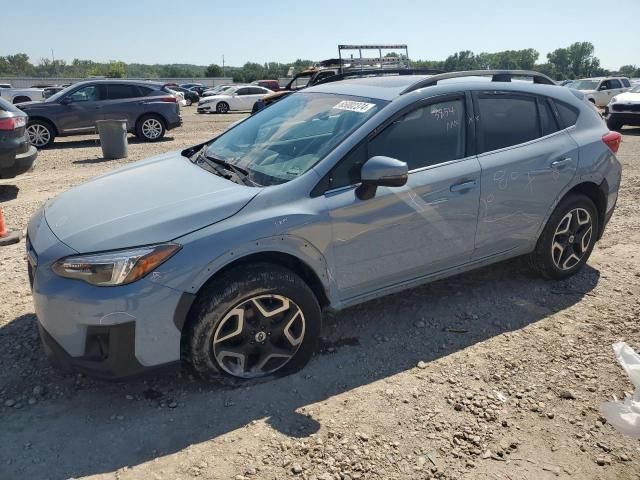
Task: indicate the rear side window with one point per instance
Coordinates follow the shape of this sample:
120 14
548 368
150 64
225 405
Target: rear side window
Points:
144 91
426 136
625 82
115 92
506 120
568 114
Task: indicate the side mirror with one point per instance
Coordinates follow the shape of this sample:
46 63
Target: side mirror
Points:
381 171
66 101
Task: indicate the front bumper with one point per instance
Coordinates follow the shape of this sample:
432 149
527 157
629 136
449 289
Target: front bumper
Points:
207 107
108 332
626 118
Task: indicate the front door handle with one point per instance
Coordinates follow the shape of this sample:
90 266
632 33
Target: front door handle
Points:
463 187
561 162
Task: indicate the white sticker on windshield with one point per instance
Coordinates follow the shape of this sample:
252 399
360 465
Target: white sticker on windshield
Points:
355 106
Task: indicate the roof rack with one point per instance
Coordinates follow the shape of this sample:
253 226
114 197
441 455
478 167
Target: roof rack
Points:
377 72
496 76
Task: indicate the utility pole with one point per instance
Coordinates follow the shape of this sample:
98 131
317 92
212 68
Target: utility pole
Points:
53 61
223 65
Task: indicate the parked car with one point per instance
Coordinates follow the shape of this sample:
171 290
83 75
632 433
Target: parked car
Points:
20 95
217 90
190 96
344 193
16 155
624 109
49 91
190 85
599 91
5 85
147 106
232 99
198 89
272 85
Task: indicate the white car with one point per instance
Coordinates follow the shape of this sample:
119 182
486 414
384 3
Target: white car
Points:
601 90
624 109
19 95
233 99
217 90
179 95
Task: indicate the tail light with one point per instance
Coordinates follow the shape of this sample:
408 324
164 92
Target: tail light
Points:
612 139
12 123
170 99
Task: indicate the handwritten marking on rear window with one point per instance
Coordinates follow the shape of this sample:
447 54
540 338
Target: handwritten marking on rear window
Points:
361 107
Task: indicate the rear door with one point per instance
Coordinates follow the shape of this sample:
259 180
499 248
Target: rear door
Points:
124 102
526 160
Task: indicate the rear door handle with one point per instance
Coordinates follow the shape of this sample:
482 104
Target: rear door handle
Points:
561 162
463 187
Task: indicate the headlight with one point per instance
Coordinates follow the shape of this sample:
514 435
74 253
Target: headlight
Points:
115 268
613 100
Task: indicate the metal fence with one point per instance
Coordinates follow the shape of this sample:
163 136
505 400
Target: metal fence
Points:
26 82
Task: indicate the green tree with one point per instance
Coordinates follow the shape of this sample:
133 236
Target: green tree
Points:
213 70
629 71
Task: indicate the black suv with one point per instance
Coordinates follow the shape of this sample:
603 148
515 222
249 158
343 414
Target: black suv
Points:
16 155
148 107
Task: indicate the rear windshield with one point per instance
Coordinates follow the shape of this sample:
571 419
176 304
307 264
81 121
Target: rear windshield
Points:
8 107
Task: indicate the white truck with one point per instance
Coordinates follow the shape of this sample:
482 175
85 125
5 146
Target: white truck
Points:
19 95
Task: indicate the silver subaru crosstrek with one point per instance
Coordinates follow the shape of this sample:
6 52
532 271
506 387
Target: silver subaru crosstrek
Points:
225 254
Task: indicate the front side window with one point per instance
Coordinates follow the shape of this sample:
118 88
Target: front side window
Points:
90 93
506 120
426 136
285 140
625 83
243 91
584 84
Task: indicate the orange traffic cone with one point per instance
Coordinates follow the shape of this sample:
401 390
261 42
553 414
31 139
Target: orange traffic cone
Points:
7 237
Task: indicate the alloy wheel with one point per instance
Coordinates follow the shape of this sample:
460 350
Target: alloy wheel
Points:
152 128
572 238
258 336
38 135
222 108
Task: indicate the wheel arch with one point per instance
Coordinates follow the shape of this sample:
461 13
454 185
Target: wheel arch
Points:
45 120
20 99
598 195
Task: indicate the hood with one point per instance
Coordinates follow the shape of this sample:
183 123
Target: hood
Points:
152 201
27 105
627 97
214 97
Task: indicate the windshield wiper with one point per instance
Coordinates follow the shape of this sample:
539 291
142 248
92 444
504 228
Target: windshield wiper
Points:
200 158
241 173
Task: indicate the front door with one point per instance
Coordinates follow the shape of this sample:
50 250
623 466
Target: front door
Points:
407 232
526 160
82 111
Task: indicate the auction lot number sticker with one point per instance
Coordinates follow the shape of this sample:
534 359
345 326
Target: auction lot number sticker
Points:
354 106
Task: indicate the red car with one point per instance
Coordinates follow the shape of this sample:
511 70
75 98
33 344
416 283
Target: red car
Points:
272 85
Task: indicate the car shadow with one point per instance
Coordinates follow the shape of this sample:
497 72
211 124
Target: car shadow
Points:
8 192
95 142
81 427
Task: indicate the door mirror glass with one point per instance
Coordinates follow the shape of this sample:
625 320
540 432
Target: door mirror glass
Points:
381 171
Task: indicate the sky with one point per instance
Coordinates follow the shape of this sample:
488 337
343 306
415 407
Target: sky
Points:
201 32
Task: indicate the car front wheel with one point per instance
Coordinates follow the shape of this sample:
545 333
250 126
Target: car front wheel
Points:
253 322
40 134
222 107
567 239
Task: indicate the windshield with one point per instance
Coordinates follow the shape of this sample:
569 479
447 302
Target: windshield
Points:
584 84
289 137
57 96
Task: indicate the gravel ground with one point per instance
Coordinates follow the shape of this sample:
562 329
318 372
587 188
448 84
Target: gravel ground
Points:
493 374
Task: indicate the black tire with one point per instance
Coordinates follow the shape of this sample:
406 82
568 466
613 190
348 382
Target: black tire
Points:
215 306
150 128
36 133
614 124
21 99
544 260
188 102
222 107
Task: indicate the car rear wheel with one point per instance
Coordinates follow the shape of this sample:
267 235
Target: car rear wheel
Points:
150 128
222 107
253 322
40 133
568 238
188 102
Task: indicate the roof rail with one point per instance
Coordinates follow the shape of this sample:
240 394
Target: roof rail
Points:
377 72
496 76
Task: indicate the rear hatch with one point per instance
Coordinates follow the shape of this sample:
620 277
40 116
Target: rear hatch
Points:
12 133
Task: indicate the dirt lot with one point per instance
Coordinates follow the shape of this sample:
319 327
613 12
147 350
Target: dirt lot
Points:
494 374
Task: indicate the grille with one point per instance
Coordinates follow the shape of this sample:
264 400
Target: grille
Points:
619 107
